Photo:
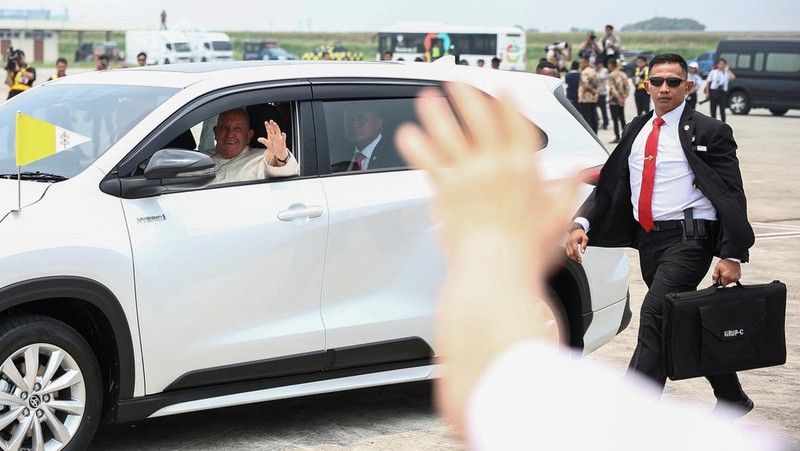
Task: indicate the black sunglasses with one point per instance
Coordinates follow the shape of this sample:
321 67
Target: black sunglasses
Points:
672 82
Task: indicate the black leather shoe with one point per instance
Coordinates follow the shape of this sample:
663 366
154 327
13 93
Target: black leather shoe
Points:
615 141
736 409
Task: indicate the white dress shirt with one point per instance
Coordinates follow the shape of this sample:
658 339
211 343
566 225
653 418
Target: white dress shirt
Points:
718 79
673 190
367 151
251 165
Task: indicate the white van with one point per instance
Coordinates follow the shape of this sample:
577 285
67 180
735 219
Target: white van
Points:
161 46
210 46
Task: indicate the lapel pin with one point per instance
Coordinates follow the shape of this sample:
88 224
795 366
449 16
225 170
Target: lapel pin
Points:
686 127
693 137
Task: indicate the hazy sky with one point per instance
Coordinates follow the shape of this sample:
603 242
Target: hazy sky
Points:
365 15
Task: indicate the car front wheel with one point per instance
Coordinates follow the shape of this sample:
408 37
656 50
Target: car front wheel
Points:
49 386
739 103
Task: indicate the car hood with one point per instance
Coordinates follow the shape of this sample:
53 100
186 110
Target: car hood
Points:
31 192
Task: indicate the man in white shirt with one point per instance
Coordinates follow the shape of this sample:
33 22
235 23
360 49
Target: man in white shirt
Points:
716 88
673 190
235 160
694 76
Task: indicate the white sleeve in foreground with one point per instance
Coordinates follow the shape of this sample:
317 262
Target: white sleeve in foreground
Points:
533 397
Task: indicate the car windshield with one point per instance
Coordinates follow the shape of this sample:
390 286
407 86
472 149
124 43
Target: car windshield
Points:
101 113
221 45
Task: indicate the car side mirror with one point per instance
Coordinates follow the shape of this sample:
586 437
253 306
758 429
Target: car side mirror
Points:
168 170
184 165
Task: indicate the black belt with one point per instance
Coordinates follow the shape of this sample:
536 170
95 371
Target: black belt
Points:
661 226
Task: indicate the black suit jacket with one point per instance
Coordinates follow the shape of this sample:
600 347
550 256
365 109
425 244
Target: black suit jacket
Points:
384 156
716 172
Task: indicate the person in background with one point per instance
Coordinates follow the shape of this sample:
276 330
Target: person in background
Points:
678 206
588 89
505 384
602 93
22 77
387 56
694 76
716 88
481 62
547 68
61 69
495 63
573 81
326 56
618 89
141 59
640 76
590 49
611 45
102 63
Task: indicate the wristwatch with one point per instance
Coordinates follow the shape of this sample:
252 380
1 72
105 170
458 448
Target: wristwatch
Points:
574 226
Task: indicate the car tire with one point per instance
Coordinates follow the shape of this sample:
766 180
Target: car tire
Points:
778 111
57 408
738 102
560 312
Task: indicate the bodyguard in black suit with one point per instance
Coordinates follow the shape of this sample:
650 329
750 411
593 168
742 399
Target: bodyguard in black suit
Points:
672 189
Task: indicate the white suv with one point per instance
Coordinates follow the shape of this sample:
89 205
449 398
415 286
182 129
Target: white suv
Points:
131 288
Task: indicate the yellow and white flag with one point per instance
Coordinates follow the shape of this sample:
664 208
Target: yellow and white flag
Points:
37 139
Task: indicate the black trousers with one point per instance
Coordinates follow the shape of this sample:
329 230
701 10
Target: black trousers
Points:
642 101
601 103
589 113
719 98
671 265
618 116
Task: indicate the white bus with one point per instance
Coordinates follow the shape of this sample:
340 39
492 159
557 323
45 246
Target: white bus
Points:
429 41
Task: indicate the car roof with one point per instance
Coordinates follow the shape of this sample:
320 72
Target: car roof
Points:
185 75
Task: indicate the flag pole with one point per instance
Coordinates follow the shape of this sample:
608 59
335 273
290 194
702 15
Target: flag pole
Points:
19 188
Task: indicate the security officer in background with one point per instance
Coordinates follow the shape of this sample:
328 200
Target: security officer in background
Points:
22 77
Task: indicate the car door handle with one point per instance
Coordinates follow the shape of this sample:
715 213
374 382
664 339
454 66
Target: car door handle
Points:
299 211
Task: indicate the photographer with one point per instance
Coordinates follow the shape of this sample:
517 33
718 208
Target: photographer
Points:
590 49
559 53
19 75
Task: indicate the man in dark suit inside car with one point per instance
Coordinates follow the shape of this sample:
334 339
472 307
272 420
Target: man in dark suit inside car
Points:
363 128
673 190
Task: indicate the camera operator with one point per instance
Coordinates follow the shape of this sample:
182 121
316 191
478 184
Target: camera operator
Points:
589 48
19 75
559 53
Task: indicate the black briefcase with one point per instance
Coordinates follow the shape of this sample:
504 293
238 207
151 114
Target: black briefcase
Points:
722 330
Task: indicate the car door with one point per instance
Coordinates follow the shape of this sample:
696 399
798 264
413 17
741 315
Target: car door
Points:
228 277
383 268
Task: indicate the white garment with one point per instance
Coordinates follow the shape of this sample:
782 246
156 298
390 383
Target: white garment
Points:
367 151
673 190
250 165
718 79
534 398
602 75
698 81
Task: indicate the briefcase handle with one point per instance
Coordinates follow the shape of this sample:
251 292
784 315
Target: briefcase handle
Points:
719 285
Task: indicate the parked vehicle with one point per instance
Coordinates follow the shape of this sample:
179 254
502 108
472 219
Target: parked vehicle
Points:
131 289
705 62
89 51
767 74
161 46
210 46
252 49
275 53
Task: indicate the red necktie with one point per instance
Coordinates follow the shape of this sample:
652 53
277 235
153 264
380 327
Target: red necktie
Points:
359 160
649 176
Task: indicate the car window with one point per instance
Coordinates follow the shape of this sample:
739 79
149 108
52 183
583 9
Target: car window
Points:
201 137
365 127
101 113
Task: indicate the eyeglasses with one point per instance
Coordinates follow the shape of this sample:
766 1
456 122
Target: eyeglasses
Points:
672 82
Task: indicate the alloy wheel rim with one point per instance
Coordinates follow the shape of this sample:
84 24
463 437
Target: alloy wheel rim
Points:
42 398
